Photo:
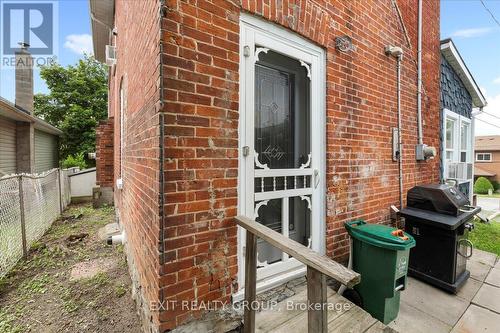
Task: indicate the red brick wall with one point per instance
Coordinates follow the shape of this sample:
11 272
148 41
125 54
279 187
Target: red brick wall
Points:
200 78
104 153
138 71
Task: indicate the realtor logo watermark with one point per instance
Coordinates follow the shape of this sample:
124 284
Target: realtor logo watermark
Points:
34 23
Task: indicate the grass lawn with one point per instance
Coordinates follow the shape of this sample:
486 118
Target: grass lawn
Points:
486 237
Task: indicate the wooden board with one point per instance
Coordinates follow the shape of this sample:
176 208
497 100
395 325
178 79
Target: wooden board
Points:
378 327
293 320
352 321
300 252
250 283
316 296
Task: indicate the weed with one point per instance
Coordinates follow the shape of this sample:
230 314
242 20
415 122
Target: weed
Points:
70 304
37 246
98 280
4 282
62 230
47 257
120 248
37 285
7 323
120 290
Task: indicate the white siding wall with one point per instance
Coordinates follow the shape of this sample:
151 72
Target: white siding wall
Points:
45 151
7 146
82 183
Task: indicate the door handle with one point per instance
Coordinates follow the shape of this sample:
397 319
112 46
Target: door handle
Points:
400 287
245 150
316 178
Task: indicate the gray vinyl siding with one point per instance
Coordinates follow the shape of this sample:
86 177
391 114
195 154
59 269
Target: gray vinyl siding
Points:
46 156
7 146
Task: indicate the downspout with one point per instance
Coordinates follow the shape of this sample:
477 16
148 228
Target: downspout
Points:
474 114
422 151
419 75
400 140
161 179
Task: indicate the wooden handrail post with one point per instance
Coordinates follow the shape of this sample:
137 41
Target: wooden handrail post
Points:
317 318
250 282
318 267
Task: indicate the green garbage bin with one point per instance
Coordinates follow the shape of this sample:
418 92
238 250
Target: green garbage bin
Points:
380 255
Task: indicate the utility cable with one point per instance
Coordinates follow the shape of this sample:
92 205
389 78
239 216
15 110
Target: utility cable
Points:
490 12
484 121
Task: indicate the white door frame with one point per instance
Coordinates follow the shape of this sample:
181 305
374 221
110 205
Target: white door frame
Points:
457 148
254 31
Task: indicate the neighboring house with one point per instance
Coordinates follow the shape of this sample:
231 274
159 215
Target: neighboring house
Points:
487 164
459 95
27 143
260 108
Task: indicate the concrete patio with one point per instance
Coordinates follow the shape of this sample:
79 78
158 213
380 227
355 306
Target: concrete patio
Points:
475 308
423 308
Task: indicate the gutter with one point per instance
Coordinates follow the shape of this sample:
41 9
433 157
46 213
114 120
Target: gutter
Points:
477 112
9 110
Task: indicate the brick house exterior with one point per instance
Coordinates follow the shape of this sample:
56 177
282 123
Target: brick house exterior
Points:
177 125
487 157
103 194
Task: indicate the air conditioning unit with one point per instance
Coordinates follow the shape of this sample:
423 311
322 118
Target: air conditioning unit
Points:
110 55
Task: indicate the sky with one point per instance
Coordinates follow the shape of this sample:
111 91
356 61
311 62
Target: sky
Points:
467 22
74 38
477 37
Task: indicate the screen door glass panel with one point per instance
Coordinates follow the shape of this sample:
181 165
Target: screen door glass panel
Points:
282 142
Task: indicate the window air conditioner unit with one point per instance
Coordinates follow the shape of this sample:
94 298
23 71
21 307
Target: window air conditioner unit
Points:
459 170
110 55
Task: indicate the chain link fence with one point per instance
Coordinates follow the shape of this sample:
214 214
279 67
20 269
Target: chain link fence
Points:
29 203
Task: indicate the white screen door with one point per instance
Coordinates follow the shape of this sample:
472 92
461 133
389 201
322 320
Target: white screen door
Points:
283 144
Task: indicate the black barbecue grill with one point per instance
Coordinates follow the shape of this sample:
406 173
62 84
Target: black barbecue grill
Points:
439 217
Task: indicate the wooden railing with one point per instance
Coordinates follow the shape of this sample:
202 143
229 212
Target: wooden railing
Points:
318 267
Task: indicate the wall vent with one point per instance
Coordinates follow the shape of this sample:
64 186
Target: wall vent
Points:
110 55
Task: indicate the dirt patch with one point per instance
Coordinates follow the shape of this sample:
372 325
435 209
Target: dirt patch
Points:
70 286
89 269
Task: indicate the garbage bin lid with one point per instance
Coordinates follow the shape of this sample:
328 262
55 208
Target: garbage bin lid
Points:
380 235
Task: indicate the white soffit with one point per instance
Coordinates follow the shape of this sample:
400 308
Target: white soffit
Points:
101 17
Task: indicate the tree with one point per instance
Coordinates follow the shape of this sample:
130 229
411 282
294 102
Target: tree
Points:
78 99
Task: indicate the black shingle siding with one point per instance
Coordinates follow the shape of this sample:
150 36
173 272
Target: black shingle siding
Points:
454 95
